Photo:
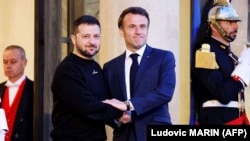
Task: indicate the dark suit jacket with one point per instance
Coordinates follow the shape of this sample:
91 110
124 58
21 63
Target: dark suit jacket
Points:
154 87
23 126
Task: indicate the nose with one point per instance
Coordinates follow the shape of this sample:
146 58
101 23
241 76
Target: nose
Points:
8 64
92 40
235 25
138 30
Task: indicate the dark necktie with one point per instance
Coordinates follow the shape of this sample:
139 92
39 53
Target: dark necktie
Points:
133 69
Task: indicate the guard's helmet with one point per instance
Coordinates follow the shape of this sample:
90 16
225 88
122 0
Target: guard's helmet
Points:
222 11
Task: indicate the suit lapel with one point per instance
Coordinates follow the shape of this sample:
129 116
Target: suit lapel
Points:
144 64
2 86
120 67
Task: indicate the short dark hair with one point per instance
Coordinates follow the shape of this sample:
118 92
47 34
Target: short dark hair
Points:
85 19
133 10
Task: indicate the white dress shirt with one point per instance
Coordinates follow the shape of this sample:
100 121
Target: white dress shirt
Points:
128 63
13 88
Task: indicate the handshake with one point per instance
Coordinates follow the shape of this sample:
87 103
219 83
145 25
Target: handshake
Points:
121 105
242 70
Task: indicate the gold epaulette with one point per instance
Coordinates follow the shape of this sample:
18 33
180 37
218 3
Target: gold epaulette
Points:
220 2
205 59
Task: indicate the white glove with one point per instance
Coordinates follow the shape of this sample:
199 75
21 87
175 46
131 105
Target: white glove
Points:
3 125
2 135
242 70
245 55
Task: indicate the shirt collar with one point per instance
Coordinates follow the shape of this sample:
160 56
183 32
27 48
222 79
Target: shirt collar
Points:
140 51
17 83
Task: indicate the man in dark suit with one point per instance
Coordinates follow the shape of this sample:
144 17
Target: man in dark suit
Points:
17 95
154 83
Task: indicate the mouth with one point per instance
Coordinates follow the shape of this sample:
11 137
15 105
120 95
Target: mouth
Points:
234 34
92 47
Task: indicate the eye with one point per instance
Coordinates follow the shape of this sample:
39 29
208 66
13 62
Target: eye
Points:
96 36
233 22
85 36
131 27
143 26
5 62
13 61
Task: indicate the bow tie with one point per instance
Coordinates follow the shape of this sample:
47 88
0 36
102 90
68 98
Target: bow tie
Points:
11 84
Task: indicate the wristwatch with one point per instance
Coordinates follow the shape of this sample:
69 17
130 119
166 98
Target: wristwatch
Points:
128 105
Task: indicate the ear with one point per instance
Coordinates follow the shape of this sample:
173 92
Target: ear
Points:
73 38
121 32
25 62
212 26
